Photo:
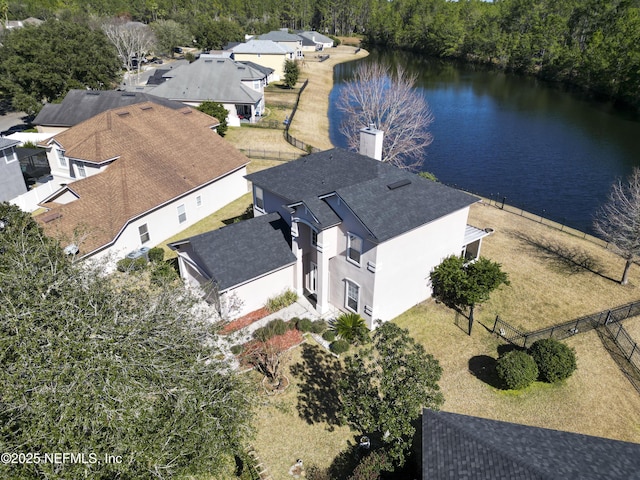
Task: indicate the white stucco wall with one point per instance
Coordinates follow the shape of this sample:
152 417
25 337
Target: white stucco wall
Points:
405 262
254 294
163 223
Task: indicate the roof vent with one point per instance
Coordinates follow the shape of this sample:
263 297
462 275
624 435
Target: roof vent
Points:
186 111
128 94
93 92
50 217
398 184
146 107
206 60
122 114
220 61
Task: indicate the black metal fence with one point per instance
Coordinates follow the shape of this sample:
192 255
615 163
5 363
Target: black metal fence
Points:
290 138
566 329
629 349
256 153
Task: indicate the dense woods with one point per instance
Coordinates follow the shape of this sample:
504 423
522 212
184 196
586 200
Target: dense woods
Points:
592 44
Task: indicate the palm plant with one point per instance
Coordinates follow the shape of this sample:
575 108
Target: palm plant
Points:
352 328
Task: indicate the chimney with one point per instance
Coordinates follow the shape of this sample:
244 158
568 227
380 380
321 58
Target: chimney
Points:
371 142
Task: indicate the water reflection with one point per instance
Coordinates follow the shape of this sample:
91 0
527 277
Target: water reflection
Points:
543 147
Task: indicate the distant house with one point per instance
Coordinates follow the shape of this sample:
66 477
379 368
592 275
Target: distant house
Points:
459 446
80 105
238 86
12 182
285 39
314 41
138 175
266 53
365 235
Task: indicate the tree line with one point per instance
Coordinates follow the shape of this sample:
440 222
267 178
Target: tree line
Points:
592 44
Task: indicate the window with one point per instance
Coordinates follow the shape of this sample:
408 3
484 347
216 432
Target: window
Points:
354 248
62 160
199 201
144 233
314 238
182 214
81 170
259 199
9 155
352 296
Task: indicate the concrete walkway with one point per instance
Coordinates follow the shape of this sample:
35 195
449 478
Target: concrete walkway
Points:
301 308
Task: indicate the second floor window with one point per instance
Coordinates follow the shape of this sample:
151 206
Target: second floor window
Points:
81 170
354 248
182 214
259 199
62 160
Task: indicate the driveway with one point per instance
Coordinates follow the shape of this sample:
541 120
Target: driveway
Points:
12 119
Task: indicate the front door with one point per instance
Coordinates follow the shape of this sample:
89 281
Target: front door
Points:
312 278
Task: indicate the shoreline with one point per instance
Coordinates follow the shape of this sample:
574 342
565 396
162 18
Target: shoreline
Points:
311 121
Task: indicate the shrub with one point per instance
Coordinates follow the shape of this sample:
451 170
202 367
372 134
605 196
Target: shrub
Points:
286 298
329 336
517 369
339 346
555 360
319 326
271 329
372 466
163 273
237 349
304 325
156 255
131 264
352 328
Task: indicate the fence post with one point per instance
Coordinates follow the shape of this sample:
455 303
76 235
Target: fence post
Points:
632 351
494 324
616 339
526 337
608 319
629 312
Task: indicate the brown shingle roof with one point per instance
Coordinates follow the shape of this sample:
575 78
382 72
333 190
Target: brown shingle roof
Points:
161 154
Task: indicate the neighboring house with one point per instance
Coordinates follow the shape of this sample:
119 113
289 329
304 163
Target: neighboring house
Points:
13 24
459 446
12 182
266 53
143 173
285 39
239 87
314 41
365 234
80 105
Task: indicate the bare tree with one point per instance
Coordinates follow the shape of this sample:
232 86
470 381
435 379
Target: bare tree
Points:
618 220
131 39
391 103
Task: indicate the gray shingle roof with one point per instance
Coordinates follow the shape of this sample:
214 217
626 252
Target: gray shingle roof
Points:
315 37
242 251
6 143
265 47
279 36
462 447
364 184
208 78
80 105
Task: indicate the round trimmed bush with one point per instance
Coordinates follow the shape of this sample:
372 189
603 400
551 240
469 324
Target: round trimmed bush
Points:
329 336
339 346
517 369
319 326
156 255
556 361
304 325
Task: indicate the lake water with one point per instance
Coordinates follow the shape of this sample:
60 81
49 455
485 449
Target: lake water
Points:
546 150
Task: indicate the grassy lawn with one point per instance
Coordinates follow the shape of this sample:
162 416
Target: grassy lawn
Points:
554 277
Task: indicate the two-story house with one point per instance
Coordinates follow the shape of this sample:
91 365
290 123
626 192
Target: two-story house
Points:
12 182
266 53
137 176
362 235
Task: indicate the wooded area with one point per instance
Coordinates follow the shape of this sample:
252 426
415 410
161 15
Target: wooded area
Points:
592 44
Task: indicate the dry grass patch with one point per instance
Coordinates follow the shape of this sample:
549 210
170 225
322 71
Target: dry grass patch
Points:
259 138
555 276
286 429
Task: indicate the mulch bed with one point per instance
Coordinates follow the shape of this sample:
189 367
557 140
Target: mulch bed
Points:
283 342
242 322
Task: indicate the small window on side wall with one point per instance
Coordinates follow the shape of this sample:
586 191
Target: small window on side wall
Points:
62 160
199 201
352 296
314 238
354 248
144 234
81 170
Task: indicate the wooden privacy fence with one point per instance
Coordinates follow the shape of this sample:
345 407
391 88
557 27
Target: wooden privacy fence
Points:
566 329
